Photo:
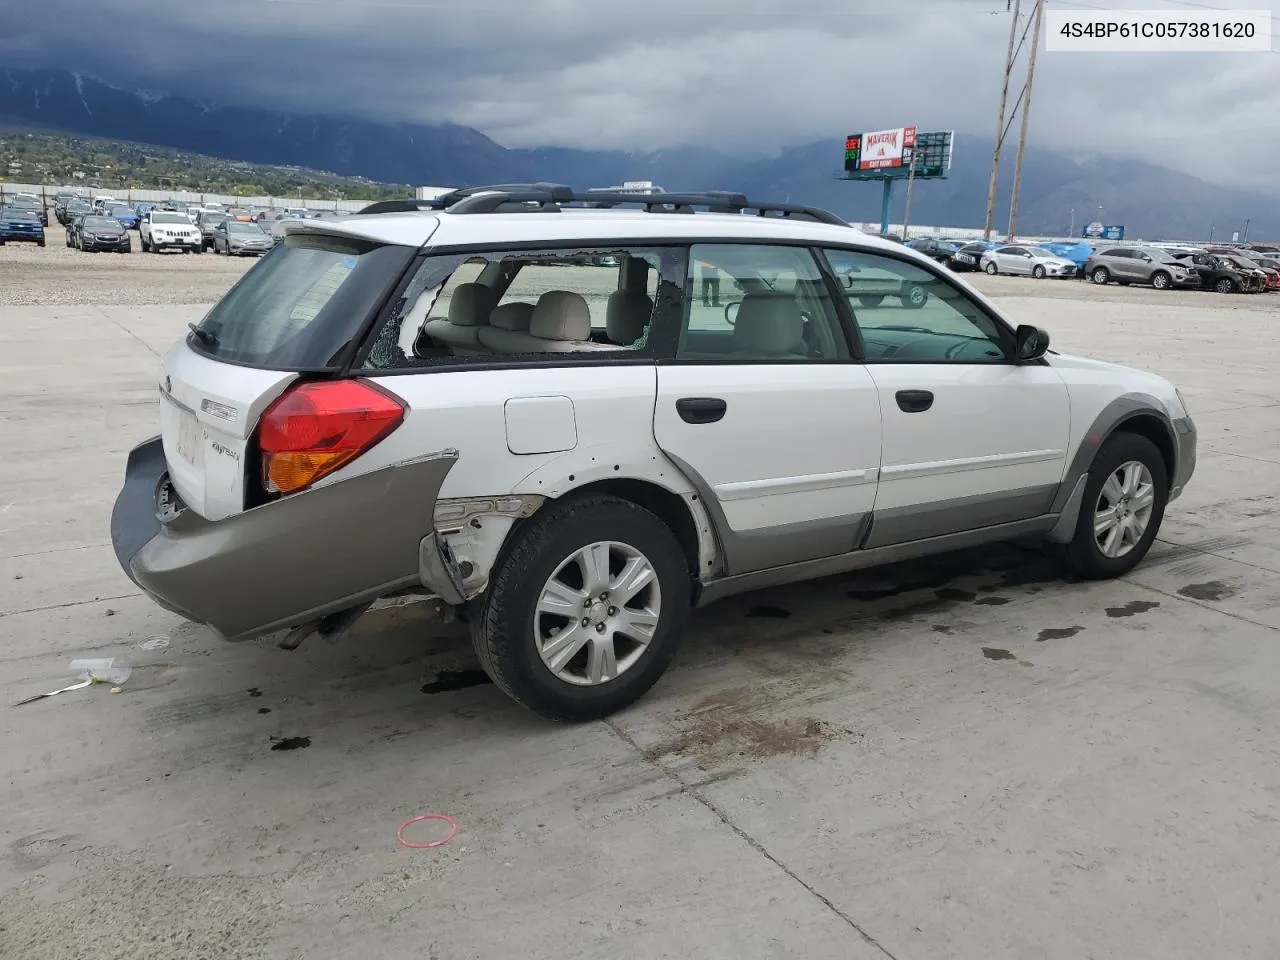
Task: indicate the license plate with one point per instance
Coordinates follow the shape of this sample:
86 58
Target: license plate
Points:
191 440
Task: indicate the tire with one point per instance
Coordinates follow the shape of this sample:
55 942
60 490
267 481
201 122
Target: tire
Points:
146 247
1100 276
915 296
1084 555
196 249
1161 280
871 300
39 243
508 622
991 268
1225 285
1038 272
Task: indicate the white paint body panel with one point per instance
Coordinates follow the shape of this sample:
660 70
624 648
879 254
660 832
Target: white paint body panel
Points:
205 451
613 416
1093 384
992 428
798 442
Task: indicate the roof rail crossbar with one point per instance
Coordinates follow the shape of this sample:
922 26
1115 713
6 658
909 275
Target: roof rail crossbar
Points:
551 198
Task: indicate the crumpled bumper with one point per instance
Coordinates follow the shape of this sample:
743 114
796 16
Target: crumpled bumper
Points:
290 561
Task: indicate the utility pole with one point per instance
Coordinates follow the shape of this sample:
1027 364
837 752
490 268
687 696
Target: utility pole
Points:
1004 99
1071 230
1026 118
1243 237
911 179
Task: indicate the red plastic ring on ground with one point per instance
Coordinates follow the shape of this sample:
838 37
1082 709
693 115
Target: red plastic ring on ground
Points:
442 817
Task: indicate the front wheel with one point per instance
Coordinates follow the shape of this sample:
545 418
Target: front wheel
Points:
586 611
1161 280
39 243
871 300
1225 285
1123 505
1038 272
992 269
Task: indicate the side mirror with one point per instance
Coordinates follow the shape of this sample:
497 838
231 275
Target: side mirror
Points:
1030 343
731 311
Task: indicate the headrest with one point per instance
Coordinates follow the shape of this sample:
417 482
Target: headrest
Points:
561 315
769 324
512 316
627 315
471 305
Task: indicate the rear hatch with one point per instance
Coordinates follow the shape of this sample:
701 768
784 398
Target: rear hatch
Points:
297 313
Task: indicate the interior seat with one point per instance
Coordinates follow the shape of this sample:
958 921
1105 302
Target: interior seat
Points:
769 326
469 311
560 323
626 316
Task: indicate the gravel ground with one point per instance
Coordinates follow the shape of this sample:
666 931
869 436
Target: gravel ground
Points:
63 276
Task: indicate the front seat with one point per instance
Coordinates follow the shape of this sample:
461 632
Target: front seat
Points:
469 311
769 326
626 316
561 323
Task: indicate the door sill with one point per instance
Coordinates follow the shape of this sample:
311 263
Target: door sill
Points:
861 559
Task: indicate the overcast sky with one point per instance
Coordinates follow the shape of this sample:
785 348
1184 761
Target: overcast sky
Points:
741 74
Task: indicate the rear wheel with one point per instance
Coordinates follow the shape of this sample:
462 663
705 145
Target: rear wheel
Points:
914 296
1100 275
586 611
1123 505
871 300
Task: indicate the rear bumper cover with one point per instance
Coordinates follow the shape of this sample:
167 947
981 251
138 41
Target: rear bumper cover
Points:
284 563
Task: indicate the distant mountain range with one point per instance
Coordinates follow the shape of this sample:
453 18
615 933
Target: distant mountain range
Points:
1150 200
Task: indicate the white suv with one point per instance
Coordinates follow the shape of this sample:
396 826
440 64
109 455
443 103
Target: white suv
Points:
572 421
169 229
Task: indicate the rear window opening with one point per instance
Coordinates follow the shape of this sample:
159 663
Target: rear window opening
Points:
301 306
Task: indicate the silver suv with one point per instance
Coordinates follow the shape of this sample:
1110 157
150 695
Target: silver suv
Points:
1140 265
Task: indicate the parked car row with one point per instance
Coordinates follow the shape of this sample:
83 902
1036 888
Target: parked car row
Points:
1245 268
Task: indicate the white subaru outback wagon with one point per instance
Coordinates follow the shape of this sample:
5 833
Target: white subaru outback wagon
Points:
574 416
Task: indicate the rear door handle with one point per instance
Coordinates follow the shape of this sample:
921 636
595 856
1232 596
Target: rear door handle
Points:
914 401
701 409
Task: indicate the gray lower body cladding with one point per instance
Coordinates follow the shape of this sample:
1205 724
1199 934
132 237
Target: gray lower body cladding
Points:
284 563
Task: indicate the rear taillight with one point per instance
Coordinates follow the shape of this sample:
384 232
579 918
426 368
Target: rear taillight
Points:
318 427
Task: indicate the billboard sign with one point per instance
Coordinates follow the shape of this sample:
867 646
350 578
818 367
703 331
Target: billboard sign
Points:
897 154
886 148
1101 231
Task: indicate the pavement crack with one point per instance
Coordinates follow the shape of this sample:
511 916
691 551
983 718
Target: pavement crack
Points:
116 323
691 790
1206 606
69 603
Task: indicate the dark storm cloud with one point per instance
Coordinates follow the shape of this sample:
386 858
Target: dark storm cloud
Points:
741 74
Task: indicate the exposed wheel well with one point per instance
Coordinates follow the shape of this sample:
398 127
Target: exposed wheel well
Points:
667 505
1154 430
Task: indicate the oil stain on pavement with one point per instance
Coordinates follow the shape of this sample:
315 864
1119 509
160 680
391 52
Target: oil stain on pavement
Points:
1132 608
1212 591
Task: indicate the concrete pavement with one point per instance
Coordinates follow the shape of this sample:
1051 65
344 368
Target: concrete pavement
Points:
961 758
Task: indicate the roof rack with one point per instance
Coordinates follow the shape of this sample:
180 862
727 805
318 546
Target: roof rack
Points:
554 197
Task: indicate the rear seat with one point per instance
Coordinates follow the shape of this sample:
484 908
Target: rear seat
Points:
560 323
627 316
469 311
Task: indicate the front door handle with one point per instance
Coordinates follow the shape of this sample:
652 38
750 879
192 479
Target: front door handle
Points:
914 401
701 409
